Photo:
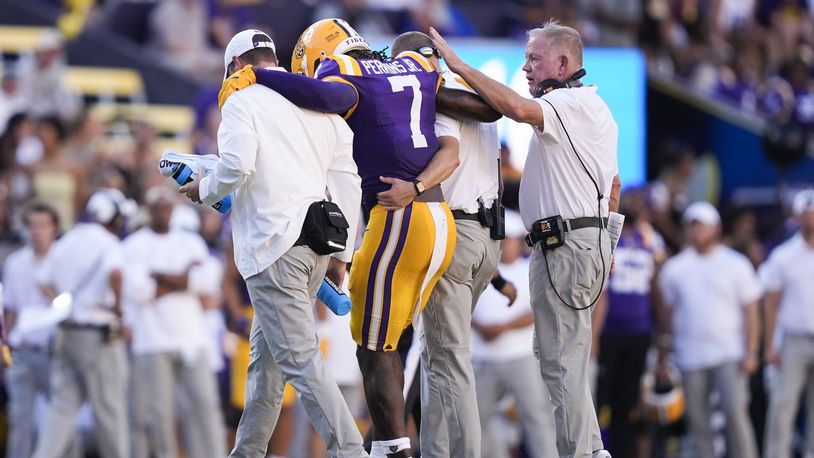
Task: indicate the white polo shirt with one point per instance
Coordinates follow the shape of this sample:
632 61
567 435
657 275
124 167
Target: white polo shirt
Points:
706 295
20 291
278 159
494 308
554 182
790 271
173 322
479 149
81 263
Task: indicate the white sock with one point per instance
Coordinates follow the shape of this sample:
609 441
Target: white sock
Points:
380 449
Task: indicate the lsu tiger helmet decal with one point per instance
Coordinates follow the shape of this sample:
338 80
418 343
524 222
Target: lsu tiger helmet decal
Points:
322 39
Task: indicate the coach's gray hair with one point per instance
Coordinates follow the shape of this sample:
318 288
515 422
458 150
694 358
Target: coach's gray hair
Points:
560 37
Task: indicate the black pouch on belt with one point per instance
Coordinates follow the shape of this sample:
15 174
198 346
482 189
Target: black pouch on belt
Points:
547 231
325 229
497 231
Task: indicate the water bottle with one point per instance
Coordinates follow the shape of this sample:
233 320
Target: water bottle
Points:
183 174
333 297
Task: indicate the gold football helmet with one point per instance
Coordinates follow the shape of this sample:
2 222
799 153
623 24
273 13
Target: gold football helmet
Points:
322 39
662 405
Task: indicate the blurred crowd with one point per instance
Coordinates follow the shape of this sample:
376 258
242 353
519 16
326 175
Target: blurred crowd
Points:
55 153
755 54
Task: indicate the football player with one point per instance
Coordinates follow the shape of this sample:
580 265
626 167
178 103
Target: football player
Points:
390 105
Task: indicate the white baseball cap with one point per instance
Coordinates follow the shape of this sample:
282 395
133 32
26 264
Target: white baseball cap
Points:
244 42
702 212
803 202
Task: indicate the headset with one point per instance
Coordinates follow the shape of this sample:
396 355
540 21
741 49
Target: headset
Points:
549 85
544 88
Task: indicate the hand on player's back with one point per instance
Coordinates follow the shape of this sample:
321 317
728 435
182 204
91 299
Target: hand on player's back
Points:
400 194
240 79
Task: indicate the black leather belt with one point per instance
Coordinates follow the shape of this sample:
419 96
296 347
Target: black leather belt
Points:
84 326
460 214
581 223
31 348
567 226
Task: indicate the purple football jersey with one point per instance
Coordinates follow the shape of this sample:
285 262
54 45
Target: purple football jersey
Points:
629 287
393 122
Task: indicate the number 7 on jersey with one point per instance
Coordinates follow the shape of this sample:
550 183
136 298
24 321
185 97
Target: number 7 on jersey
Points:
398 83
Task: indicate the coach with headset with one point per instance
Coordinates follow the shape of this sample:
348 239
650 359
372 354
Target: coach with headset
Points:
570 183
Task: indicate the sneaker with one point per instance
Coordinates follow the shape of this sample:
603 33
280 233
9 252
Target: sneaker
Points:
601 454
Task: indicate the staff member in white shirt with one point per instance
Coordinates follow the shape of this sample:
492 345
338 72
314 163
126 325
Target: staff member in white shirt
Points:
570 179
278 159
711 292
788 278
90 360
28 377
163 289
503 357
449 408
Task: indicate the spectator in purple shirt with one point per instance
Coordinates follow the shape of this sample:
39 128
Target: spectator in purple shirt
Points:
738 83
799 76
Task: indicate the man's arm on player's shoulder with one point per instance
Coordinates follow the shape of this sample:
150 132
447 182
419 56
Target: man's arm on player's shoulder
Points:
501 97
329 96
464 104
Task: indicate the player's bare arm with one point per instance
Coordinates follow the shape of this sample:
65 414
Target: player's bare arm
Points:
402 192
464 104
499 96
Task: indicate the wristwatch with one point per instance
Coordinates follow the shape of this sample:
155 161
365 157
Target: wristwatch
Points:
419 186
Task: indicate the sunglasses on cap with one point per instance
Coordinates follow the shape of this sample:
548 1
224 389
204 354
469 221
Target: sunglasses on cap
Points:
428 51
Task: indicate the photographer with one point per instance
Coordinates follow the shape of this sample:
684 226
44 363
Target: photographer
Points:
570 182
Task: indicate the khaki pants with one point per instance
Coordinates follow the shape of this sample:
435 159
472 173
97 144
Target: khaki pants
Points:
85 367
156 378
285 348
449 404
27 378
519 378
796 372
733 387
572 272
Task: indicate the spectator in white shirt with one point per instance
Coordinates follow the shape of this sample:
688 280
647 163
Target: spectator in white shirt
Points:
788 278
162 286
28 377
711 292
503 357
278 160
90 360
